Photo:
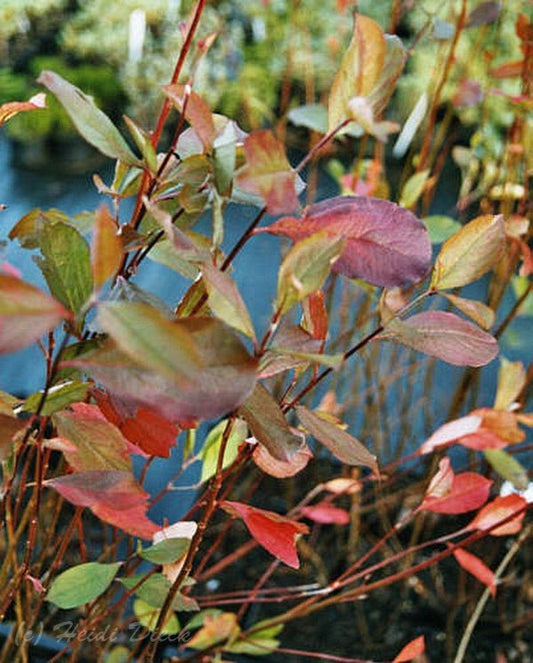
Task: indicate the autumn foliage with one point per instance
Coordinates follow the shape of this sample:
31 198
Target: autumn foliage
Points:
127 374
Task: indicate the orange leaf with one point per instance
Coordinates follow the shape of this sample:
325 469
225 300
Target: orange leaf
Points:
7 111
411 650
106 249
274 532
268 173
500 509
477 568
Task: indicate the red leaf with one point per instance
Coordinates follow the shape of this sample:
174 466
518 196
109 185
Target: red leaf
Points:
11 108
197 112
268 173
274 532
477 568
113 495
386 245
147 430
497 510
450 432
326 514
482 439
451 493
316 315
411 650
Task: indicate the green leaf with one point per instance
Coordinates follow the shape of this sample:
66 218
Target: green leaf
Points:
150 339
225 300
143 142
225 159
311 116
469 253
508 467
28 229
88 441
211 446
80 584
25 313
58 397
166 551
512 378
262 641
440 227
341 444
66 265
154 590
413 189
90 121
148 617
306 266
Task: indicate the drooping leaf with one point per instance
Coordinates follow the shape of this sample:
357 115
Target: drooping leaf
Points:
274 532
326 514
451 431
58 397
511 380
11 108
443 335
268 425
476 311
25 313
281 469
106 249
66 265
211 446
80 584
268 173
88 441
500 509
286 350
224 378
341 444
90 121
452 493
469 253
112 495
225 300
411 650
148 617
385 244
306 266
508 467
197 112
477 568
147 430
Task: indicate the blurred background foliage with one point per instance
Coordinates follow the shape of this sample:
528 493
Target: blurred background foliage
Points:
268 56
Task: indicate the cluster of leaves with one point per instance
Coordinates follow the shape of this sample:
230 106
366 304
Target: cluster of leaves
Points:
126 373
